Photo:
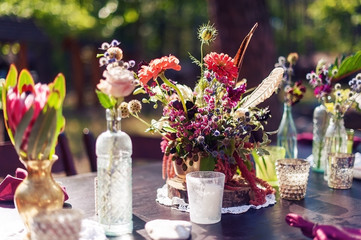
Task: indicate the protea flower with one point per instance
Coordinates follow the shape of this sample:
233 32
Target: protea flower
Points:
33 114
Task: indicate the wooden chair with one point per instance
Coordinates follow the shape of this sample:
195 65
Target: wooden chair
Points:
144 148
89 144
9 159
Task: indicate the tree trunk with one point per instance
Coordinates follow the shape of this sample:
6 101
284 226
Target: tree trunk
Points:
234 19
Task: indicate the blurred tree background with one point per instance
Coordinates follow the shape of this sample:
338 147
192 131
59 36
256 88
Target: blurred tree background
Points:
70 31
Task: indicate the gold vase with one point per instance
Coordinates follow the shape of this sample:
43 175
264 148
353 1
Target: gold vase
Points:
38 192
192 166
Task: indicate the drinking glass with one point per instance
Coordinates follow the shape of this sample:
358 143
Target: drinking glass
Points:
205 195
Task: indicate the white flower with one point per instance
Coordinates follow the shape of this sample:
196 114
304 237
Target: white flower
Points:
240 112
186 92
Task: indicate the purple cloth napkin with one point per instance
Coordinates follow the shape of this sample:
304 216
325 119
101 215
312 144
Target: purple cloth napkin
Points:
10 183
322 232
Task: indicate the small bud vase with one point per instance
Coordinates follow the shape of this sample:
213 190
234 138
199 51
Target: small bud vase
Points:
38 192
114 178
335 140
320 123
287 134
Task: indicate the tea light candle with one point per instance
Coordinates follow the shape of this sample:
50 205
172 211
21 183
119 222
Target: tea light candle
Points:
292 176
205 195
340 169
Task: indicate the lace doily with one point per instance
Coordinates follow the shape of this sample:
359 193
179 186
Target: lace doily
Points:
179 204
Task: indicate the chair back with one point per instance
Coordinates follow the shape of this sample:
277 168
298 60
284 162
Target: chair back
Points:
89 144
9 159
144 148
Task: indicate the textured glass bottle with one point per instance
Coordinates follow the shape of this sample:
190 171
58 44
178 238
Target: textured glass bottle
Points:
335 140
114 183
287 134
320 123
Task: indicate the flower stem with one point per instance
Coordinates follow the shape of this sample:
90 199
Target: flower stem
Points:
166 81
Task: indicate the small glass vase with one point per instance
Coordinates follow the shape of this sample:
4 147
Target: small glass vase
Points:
335 140
38 192
320 123
287 134
266 164
114 178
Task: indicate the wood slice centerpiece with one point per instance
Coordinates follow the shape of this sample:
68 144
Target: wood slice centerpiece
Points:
231 198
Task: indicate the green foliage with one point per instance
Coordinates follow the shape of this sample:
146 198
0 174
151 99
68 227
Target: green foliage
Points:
207 164
105 100
58 17
336 24
348 66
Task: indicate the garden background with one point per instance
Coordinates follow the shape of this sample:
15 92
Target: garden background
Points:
54 36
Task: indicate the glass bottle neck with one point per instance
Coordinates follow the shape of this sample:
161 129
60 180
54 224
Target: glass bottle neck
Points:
287 109
113 120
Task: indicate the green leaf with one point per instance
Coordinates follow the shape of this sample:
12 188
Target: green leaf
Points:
54 100
169 129
207 164
12 77
20 129
195 60
139 90
2 84
25 78
11 80
42 134
105 100
348 66
58 86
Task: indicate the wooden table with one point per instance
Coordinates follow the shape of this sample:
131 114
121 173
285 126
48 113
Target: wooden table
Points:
322 204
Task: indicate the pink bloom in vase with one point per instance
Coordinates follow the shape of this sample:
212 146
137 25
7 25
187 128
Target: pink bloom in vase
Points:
18 105
223 66
119 82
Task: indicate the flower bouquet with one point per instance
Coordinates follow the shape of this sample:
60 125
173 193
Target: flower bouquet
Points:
293 93
214 126
329 131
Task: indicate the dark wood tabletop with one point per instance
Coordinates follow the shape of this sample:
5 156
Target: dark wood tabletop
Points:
321 204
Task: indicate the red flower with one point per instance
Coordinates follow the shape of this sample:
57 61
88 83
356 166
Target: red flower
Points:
157 66
222 65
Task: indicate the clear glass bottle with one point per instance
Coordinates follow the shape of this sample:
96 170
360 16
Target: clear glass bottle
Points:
114 178
335 140
320 123
287 134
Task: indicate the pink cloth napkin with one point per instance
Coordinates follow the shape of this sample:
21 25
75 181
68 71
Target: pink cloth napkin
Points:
10 183
322 232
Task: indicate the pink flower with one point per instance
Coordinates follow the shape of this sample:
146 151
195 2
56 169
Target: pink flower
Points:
222 65
17 105
119 82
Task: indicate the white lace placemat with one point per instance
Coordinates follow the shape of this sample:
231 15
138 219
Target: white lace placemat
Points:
179 204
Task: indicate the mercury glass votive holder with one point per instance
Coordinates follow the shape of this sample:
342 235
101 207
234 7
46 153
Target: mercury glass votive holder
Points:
340 169
62 224
292 177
